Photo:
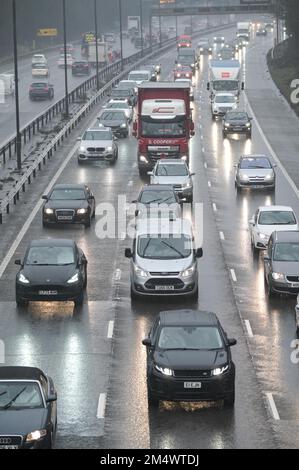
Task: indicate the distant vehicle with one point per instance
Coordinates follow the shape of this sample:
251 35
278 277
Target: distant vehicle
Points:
69 204
189 359
269 219
7 84
237 122
243 30
188 57
184 71
222 103
40 71
28 409
39 59
123 105
204 46
69 61
256 172
225 77
261 32
121 93
80 67
219 40
164 259
103 53
51 270
281 263
128 85
139 43
152 70
174 173
184 41
109 37
69 49
116 120
41 91
140 76
188 82
158 201
97 144
226 53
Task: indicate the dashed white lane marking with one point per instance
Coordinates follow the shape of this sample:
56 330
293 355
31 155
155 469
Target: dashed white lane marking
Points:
222 237
201 137
203 150
272 406
123 236
130 183
214 207
101 406
33 214
110 330
117 275
233 275
209 184
248 328
135 165
205 165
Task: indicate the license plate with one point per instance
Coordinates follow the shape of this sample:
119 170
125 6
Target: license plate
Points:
9 447
65 217
163 288
192 384
237 128
48 292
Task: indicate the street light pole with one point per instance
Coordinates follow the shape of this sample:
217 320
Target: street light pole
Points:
19 137
65 61
141 25
277 21
160 26
121 35
96 39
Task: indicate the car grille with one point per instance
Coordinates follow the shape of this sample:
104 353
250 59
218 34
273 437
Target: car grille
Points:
65 213
95 149
165 274
256 179
177 187
193 373
293 278
10 441
224 110
177 283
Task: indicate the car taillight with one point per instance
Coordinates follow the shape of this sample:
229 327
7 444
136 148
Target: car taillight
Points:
46 88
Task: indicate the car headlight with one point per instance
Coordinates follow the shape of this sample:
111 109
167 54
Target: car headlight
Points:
269 177
178 74
143 159
73 279
278 276
188 185
184 157
244 177
220 370
123 125
81 211
49 211
248 124
36 435
192 65
188 272
164 370
262 236
140 272
82 149
226 124
109 149
23 279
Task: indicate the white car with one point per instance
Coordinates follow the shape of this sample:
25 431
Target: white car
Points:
269 219
123 105
188 82
174 172
222 103
39 59
40 71
69 60
140 76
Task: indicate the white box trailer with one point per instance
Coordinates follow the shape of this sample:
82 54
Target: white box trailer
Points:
225 76
7 84
243 30
102 53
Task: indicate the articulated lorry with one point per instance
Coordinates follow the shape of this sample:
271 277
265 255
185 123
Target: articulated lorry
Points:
164 123
102 53
243 31
225 76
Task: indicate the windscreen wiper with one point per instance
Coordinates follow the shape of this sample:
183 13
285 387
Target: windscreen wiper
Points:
11 402
174 249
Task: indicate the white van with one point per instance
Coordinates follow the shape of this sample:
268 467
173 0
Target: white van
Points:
7 84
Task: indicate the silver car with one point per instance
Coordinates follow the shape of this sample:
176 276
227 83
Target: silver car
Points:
164 259
255 171
97 144
175 173
123 106
157 201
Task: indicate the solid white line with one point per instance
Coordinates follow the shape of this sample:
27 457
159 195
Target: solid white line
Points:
205 165
117 275
272 405
101 406
222 237
271 150
209 184
110 330
130 183
214 207
30 219
249 329
233 275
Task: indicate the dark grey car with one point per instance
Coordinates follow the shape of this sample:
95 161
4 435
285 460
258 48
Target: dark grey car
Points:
116 120
281 262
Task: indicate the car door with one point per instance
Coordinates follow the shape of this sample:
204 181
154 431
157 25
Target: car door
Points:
90 200
255 226
268 259
81 263
150 350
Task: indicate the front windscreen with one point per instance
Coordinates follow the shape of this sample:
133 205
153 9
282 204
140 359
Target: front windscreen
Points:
277 218
171 169
97 135
190 337
163 128
138 77
158 197
120 93
236 116
20 395
113 116
225 85
164 247
117 106
286 252
50 256
255 163
224 99
68 194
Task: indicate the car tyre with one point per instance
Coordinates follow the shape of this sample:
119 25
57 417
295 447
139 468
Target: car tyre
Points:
88 223
85 280
133 294
248 135
45 224
79 300
153 402
229 401
21 302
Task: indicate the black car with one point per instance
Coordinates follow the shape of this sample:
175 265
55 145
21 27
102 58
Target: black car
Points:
81 67
156 199
69 204
189 358
261 32
116 120
124 94
52 270
41 91
281 263
237 122
28 409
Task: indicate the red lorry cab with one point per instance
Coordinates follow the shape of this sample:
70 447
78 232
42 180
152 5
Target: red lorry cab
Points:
184 41
164 123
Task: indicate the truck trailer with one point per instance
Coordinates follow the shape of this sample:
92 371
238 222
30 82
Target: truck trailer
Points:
225 76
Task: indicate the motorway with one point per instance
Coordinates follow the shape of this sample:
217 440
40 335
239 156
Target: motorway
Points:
94 353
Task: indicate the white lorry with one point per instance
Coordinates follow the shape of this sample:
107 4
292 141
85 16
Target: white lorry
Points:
133 23
7 85
224 76
243 31
102 53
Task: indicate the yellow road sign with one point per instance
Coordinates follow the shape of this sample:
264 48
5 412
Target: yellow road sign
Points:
50 32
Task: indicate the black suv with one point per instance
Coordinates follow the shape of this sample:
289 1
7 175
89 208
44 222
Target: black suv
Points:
41 91
81 67
189 359
237 122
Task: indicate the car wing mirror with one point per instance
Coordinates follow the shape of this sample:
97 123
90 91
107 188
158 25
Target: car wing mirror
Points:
45 197
52 397
128 253
199 253
232 342
266 257
18 262
147 342
80 138
251 222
